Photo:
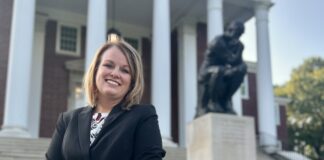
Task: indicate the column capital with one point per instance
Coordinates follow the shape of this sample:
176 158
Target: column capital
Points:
215 4
262 9
263 4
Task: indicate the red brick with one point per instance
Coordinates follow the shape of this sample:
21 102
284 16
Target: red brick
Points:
55 87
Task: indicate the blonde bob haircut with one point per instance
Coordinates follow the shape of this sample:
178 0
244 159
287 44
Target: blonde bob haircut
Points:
135 92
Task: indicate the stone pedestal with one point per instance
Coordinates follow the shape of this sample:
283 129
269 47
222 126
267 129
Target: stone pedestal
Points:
221 137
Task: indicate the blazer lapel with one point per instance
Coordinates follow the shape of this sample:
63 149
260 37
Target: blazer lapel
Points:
84 121
113 115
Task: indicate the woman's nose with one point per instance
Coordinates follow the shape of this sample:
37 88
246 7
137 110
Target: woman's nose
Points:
115 72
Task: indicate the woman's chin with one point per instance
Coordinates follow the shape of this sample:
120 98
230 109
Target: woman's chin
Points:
111 94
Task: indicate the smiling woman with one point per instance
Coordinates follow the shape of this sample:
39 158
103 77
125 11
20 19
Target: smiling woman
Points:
116 58
113 79
114 125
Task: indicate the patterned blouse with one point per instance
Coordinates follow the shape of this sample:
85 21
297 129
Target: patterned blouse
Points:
97 121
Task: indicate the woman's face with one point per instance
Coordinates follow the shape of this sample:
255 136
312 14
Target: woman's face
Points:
113 76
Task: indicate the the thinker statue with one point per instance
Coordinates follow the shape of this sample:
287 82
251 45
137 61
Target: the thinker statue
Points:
221 72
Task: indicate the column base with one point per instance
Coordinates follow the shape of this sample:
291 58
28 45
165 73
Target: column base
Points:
15 132
268 143
270 149
221 137
168 143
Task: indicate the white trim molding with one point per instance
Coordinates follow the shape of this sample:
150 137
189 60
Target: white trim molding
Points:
58 48
244 89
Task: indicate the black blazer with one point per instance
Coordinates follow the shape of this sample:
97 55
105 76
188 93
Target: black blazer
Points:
126 135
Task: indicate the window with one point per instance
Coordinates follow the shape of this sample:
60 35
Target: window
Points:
133 42
245 88
68 40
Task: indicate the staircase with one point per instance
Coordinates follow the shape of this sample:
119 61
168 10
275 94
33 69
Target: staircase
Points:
23 148
173 153
34 149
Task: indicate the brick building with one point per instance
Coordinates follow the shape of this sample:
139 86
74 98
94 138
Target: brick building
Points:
46 45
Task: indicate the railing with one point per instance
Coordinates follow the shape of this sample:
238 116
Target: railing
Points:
274 147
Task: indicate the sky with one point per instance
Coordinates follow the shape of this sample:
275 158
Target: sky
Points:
296 30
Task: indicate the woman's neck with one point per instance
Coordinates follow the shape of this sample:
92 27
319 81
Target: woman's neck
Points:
105 105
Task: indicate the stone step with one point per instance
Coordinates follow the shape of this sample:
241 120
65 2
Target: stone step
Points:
175 153
19 150
24 157
44 141
27 155
34 149
23 148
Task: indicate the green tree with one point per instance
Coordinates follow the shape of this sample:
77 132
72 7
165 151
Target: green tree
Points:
306 110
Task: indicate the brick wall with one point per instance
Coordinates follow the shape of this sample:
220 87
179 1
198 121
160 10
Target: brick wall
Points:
5 24
249 106
282 128
174 87
147 65
55 81
201 42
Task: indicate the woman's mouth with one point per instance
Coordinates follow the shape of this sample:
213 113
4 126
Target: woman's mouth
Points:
112 82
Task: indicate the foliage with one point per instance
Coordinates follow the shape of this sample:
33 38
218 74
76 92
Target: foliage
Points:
306 110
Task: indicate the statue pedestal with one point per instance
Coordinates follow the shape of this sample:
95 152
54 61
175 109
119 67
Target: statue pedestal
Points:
221 137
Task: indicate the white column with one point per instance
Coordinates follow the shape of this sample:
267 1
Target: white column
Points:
187 82
215 18
19 70
36 77
266 110
161 74
96 28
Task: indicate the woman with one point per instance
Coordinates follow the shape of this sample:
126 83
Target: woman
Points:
114 126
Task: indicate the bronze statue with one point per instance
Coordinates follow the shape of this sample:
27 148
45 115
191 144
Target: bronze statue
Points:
221 72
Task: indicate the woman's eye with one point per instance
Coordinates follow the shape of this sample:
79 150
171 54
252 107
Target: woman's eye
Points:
108 65
124 70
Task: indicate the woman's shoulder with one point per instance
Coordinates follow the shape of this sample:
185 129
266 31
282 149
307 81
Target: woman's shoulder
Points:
69 114
143 109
